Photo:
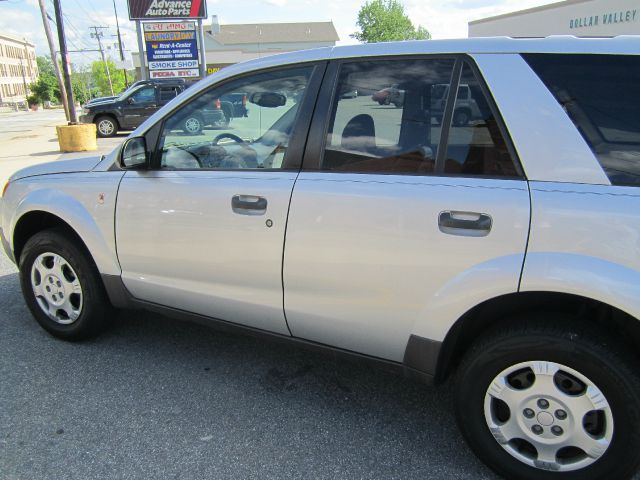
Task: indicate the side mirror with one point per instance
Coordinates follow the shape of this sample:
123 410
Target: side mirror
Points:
134 154
268 99
131 100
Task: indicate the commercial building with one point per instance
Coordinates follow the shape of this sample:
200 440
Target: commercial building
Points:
582 18
18 69
233 43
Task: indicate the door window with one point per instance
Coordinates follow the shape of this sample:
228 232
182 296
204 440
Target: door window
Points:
144 95
601 94
387 116
475 144
166 94
244 124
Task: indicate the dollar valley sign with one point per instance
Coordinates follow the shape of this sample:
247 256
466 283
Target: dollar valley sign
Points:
166 9
172 49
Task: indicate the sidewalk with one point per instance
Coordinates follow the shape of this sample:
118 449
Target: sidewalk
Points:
29 138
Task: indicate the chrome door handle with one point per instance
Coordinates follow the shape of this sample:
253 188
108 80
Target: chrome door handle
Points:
466 224
248 205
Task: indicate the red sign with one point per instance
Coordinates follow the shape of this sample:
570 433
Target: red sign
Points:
184 73
166 9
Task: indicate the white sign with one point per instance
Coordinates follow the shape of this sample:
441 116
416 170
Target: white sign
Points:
168 26
185 73
173 65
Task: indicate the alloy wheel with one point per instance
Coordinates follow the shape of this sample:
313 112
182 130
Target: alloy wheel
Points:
57 288
106 127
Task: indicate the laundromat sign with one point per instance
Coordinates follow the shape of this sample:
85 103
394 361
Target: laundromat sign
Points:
609 18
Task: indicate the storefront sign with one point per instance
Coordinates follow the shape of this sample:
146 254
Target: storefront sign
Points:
171 47
168 26
166 9
173 65
608 18
157 51
185 73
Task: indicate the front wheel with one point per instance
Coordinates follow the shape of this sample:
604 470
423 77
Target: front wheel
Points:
544 401
106 127
62 287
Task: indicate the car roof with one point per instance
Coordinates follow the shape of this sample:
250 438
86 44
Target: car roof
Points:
620 45
627 44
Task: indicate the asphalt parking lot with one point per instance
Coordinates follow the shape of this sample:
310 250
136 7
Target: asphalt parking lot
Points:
159 399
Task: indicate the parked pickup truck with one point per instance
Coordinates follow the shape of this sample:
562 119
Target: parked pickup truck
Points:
502 254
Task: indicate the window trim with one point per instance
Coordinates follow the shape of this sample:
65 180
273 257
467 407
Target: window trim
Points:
319 129
299 133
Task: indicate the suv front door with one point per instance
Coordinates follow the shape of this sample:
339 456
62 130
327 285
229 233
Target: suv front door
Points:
401 219
203 231
139 106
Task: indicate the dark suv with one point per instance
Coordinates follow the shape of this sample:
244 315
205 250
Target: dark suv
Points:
144 98
132 107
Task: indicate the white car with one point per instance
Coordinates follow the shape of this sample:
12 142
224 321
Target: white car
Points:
503 253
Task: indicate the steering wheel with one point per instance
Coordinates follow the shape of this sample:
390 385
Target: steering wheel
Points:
231 136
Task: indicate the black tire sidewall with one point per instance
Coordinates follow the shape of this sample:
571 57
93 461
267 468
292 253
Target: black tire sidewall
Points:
95 306
479 372
457 121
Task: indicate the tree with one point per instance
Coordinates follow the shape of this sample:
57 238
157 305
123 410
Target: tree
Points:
386 21
45 65
101 80
46 87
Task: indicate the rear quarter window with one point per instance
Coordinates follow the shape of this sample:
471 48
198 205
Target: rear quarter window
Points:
601 95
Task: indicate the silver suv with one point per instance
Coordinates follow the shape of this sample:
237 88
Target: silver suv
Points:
504 250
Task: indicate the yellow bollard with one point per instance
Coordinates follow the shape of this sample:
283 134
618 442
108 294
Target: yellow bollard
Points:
77 138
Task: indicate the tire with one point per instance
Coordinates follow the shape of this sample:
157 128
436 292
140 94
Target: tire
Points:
106 126
68 286
461 118
192 125
499 367
227 117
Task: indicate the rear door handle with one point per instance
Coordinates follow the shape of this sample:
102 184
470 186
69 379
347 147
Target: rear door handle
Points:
248 205
466 224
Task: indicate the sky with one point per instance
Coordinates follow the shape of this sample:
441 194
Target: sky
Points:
443 18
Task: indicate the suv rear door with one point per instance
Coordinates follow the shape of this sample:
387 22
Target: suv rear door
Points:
400 222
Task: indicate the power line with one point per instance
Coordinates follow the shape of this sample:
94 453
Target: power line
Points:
98 34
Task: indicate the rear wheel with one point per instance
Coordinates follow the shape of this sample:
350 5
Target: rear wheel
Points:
62 288
227 116
461 118
545 402
106 127
192 125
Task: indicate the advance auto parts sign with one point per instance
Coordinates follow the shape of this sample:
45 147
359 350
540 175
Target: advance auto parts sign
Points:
172 49
166 9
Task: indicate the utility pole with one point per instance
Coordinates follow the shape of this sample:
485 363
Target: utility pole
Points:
97 34
24 83
143 67
124 69
54 58
73 117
